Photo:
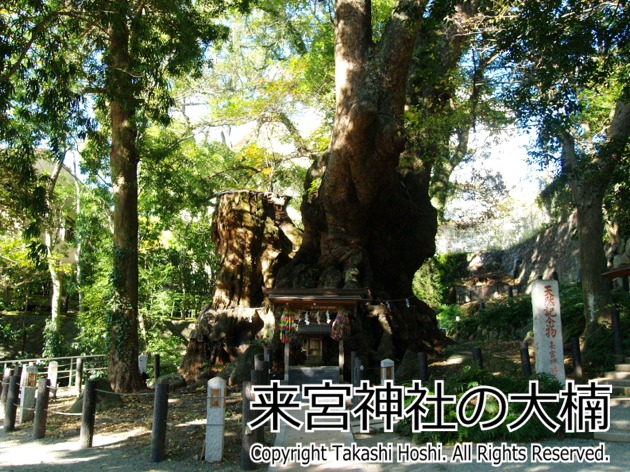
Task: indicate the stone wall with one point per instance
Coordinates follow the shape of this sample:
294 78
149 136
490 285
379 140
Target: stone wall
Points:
492 272
554 249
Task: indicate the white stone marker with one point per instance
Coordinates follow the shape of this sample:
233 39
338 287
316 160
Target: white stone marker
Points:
215 419
548 329
27 399
387 370
142 363
53 367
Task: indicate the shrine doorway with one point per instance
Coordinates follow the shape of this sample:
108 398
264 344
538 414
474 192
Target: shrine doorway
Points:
313 326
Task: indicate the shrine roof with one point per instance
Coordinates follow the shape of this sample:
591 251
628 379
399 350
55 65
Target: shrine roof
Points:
621 271
316 298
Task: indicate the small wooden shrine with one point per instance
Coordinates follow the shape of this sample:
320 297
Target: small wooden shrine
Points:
315 318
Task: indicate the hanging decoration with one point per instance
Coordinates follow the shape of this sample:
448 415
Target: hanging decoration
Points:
327 317
287 326
341 326
388 303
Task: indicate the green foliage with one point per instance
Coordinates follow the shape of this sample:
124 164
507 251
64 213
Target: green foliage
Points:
562 33
22 278
10 334
54 342
92 232
575 98
471 376
513 315
434 280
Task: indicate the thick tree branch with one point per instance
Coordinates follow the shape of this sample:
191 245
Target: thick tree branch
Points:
300 144
395 52
353 38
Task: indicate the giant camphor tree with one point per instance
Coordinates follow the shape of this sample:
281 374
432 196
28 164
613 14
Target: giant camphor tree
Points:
571 83
368 225
122 54
367 217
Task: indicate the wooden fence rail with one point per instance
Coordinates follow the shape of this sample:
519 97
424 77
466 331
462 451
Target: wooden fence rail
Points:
67 366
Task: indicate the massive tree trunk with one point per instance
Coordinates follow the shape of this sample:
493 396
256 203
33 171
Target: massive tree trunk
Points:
124 375
254 236
368 225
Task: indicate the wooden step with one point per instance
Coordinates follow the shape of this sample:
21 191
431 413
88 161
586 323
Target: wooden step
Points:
622 367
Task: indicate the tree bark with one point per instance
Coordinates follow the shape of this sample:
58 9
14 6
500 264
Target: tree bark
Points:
124 375
254 236
54 221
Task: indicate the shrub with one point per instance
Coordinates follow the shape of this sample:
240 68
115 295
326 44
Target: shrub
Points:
470 377
437 275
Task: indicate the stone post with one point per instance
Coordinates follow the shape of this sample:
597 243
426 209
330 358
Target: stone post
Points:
156 368
423 367
8 373
248 437
143 360
160 413
86 433
356 374
11 409
27 399
41 409
215 419
548 328
387 370
53 366
78 378
477 357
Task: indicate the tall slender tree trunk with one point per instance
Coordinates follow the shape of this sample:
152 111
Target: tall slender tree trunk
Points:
595 289
56 278
77 209
56 275
589 179
123 355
